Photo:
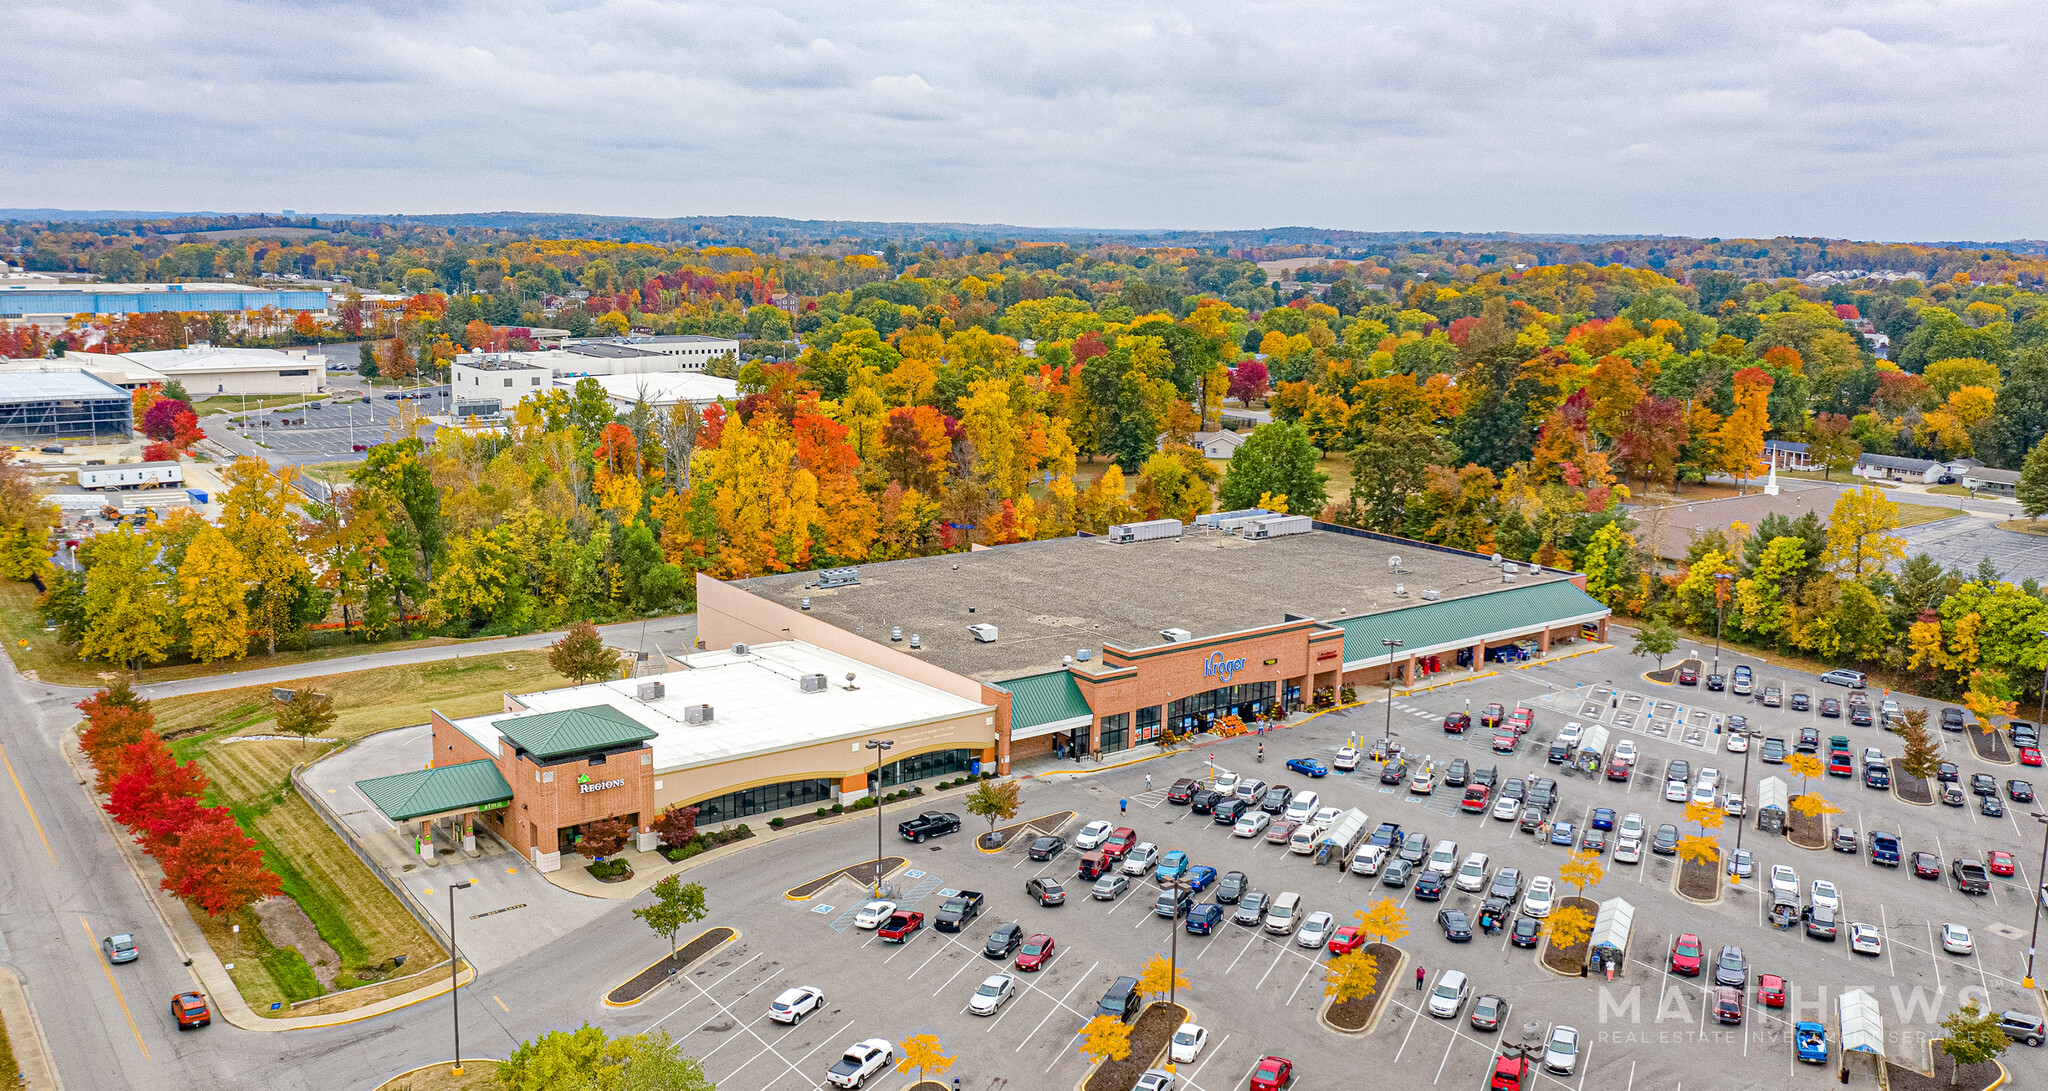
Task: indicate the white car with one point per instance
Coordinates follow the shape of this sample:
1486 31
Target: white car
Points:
1188 1042
1561 1051
1472 873
1631 826
1225 784
1142 859
1624 752
1825 894
1423 782
1092 835
1955 939
1570 734
1302 805
1251 824
1507 809
1628 850
1703 793
1154 1079
1325 817
861 1060
1864 940
1346 760
1368 859
794 1004
989 998
873 914
1873 756
1443 859
1316 929
1709 776
1452 987
1732 805
1676 791
1784 880
1738 743
1542 894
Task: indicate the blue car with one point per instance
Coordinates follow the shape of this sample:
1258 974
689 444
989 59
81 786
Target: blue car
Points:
1171 866
1204 918
1201 875
1811 1040
1603 818
1308 767
1562 834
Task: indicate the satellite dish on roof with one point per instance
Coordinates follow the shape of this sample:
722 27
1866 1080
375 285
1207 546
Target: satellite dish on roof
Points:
1394 562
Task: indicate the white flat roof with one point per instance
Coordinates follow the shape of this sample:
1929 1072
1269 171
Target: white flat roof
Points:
756 705
172 361
660 387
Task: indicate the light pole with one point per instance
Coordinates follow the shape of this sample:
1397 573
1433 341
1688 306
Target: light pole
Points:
1387 740
454 972
880 747
2035 897
1721 582
2044 682
1750 735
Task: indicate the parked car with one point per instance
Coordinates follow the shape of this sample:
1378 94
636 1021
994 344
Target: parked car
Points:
861 1060
1864 940
900 927
1955 939
1561 1050
1730 968
1308 767
1951 719
1315 930
1036 952
1142 858
1489 1012
1848 678
1525 932
1456 723
991 994
791 1005
1452 989
1800 701
1688 676
1203 919
2019 791
1926 865
1666 841
1092 835
1251 824
1182 790
1346 759
1831 708
1251 909
1686 955
1045 890
1457 927
1004 941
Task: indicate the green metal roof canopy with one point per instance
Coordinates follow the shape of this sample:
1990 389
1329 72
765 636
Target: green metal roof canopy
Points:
472 785
1461 622
572 731
1042 698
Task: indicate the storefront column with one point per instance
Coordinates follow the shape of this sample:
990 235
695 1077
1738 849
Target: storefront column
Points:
423 842
1603 630
645 839
1543 642
468 825
1095 736
1478 657
853 788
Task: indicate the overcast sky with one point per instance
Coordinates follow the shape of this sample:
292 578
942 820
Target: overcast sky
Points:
1882 119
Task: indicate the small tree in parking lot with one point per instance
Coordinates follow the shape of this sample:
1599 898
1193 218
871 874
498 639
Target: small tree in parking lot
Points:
925 1053
1805 767
1160 977
1972 1036
1655 638
675 905
995 800
1351 976
1570 925
1106 1038
1582 870
1701 847
1922 756
1384 922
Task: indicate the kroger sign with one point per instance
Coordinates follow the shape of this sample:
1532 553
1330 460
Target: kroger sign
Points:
1220 668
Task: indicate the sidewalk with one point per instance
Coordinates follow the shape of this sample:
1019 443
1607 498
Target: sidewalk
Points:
25 1035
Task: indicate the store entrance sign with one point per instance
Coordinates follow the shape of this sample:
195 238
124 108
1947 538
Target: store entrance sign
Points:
1220 668
586 785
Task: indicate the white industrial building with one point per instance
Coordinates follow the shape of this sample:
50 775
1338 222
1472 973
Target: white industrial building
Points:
657 388
203 370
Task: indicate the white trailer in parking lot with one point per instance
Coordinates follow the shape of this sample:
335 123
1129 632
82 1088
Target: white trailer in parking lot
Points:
1592 744
1772 802
1345 835
1611 928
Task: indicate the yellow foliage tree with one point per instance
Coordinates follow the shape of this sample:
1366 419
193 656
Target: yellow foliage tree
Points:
1860 541
1351 976
1581 870
1106 1038
260 516
1569 925
212 597
924 1053
1804 766
1160 977
1383 922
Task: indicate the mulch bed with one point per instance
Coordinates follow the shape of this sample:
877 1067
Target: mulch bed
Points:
1973 1077
1669 675
1354 1015
1808 831
1701 881
1149 1038
648 979
609 873
1572 959
1989 745
864 871
1910 788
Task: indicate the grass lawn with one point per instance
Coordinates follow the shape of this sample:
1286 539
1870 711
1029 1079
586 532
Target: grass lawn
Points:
7 1061
476 1076
354 912
235 403
1950 490
2026 526
21 621
1912 515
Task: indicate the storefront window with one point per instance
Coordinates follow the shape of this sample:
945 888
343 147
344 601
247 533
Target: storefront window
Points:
1148 725
921 766
768 797
1116 732
1195 713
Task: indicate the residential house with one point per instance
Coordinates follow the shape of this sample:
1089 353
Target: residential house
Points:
1995 482
1897 468
1213 444
1788 455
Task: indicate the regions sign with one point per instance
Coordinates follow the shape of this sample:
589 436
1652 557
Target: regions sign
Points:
588 786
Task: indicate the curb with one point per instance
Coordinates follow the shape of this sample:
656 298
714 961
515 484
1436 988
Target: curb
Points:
31 1047
1719 886
643 996
436 1064
1032 824
1899 774
835 876
1373 1024
1188 1016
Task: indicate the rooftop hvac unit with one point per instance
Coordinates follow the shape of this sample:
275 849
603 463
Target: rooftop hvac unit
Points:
839 577
1224 520
1124 533
1400 591
1176 635
916 642
651 691
1507 575
895 633
1509 567
983 633
807 602
1276 526
1084 654
1431 594
739 649
697 714
811 683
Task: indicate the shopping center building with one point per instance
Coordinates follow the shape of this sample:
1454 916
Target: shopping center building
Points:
1076 647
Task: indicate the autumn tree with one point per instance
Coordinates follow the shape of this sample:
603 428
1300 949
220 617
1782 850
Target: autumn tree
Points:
677 825
1160 977
995 800
603 838
1830 445
213 597
676 905
1569 925
1383 922
581 655
1277 458
924 1053
1106 1038
1248 381
127 605
1353 975
1922 755
1581 870
1700 847
307 714
260 518
150 776
217 867
1804 766
1740 441
1655 638
1860 541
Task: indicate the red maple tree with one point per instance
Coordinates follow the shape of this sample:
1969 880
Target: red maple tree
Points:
217 867
152 777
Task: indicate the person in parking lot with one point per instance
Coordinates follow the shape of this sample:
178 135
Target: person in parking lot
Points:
1419 974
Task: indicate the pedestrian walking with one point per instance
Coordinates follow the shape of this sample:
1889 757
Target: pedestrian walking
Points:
1148 782
1418 978
1123 806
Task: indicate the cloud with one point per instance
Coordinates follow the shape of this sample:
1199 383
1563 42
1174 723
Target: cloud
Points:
1859 118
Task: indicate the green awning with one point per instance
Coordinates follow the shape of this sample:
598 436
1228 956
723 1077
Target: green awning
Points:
472 785
548 735
1461 622
1043 698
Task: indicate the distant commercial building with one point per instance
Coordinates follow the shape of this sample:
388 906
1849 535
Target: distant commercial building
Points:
631 356
206 371
658 389
51 303
63 407
488 383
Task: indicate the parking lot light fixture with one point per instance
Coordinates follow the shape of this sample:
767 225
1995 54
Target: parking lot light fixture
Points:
454 973
880 747
1721 582
2035 897
2044 682
1390 644
1751 736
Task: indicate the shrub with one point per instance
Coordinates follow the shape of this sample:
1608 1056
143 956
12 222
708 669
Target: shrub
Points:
775 823
838 807
822 812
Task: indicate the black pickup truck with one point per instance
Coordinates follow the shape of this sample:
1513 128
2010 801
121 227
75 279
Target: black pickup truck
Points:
958 910
928 824
1970 877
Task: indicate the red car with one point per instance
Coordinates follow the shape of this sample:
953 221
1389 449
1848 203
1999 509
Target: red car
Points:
1685 955
1272 1074
1456 723
1119 843
1504 738
1347 940
190 1010
1522 719
900 926
1510 1073
1999 861
2029 756
1492 715
1476 798
1926 865
1770 989
1688 676
1036 952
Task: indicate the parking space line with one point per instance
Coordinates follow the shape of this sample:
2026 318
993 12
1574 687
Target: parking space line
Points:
800 1060
1057 1006
1057 1057
714 985
1277 956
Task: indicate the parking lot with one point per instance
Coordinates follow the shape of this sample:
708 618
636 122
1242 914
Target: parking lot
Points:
333 426
1258 993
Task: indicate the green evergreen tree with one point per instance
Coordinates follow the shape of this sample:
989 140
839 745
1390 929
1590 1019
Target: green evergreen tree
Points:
2033 487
